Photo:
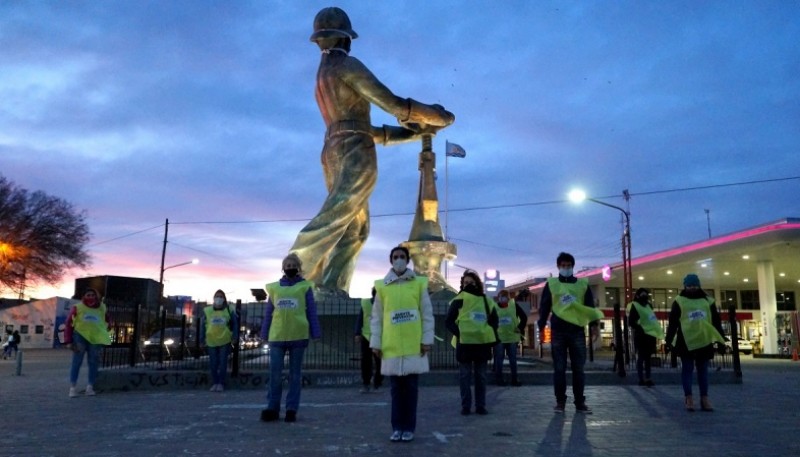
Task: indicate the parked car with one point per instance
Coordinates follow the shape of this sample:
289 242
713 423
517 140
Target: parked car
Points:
745 346
172 344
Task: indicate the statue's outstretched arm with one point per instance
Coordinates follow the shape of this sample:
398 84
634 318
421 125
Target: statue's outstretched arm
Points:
406 110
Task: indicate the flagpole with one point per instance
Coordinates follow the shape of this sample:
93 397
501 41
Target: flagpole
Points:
446 188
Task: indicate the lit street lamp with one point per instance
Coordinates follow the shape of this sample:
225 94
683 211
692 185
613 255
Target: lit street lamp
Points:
578 196
163 269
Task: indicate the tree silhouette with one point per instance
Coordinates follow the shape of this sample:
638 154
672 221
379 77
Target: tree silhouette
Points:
41 237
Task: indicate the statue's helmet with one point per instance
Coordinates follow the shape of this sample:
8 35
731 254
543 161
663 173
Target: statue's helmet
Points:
332 22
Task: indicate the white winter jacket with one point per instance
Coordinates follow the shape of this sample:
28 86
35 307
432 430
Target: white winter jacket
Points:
409 364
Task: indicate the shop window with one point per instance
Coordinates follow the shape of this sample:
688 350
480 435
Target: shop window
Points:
785 301
728 298
750 299
39 329
23 329
612 296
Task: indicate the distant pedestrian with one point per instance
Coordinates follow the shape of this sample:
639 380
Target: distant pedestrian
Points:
694 329
646 332
290 319
510 329
472 319
86 333
370 362
402 335
572 304
219 327
13 343
7 345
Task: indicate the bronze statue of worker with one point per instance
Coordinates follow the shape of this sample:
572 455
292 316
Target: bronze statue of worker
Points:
330 243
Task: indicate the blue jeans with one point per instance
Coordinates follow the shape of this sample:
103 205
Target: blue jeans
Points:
277 352
500 351
688 363
92 352
218 362
405 393
574 344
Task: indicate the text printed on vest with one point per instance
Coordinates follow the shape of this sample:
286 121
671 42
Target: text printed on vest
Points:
402 316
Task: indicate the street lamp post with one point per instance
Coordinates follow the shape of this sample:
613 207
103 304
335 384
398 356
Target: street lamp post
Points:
619 356
163 269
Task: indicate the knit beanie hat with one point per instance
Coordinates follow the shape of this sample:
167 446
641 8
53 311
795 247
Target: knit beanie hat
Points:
691 280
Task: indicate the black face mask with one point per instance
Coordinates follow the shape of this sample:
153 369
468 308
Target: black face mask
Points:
290 272
472 288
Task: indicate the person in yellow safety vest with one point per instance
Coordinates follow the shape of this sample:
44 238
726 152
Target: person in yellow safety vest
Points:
646 332
219 326
694 330
86 333
572 304
290 319
369 361
510 331
472 319
402 335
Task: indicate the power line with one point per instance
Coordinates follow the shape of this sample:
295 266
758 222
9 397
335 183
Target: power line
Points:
474 208
125 236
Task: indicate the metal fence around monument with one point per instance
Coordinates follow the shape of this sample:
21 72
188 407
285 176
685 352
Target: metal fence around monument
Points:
133 325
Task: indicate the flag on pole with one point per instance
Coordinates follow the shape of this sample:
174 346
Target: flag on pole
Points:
454 150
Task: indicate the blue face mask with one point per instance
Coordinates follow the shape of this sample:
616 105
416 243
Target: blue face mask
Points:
565 272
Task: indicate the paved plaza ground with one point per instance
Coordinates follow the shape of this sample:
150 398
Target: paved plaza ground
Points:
759 417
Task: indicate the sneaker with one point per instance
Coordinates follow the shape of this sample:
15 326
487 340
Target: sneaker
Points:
90 391
291 416
465 412
649 383
516 383
364 389
269 415
560 407
642 382
220 388
213 388
500 382
407 436
582 408
397 435
73 392
482 411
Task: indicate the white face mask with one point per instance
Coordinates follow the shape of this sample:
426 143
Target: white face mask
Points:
399 265
219 301
565 272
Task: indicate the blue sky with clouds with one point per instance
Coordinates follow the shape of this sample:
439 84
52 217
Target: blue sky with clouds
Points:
202 111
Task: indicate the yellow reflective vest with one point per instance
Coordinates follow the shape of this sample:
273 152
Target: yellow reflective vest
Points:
402 316
568 302
91 323
366 314
218 326
696 326
508 323
473 320
647 320
289 320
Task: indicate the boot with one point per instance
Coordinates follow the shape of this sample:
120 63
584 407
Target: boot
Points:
269 415
705 404
689 403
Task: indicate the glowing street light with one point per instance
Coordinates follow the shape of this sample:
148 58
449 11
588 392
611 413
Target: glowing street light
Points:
578 196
